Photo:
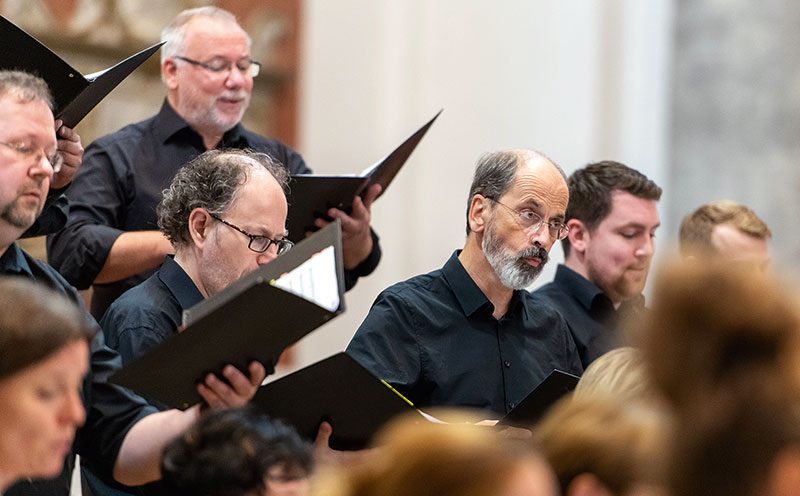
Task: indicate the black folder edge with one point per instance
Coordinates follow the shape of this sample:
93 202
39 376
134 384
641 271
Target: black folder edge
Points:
74 95
327 376
557 384
167 354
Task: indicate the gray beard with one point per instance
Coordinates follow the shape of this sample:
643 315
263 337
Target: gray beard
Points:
512 271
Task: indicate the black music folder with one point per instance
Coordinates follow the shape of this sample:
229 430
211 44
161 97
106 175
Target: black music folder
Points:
339 390
312 195
255 318
543 396
74 94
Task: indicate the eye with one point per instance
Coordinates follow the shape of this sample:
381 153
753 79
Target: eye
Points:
529 215
217 65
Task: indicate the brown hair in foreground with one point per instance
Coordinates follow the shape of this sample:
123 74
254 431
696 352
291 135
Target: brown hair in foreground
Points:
722 345
413 456
35 322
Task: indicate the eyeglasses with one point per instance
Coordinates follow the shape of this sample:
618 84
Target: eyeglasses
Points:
27 152
219 65
532 221
259 244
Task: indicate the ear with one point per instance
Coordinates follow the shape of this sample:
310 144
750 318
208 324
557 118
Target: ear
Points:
479 212
169 73
579 235
586 484
199 226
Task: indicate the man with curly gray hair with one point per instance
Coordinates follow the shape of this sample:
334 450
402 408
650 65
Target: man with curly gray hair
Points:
225 214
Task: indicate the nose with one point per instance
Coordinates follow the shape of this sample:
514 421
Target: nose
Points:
268 256
42 166
541 236
648 248
236 77
73 411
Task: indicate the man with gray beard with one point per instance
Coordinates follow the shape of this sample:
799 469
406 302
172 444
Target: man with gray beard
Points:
469 334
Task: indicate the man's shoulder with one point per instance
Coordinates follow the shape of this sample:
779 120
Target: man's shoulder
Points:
124 136
147 305
417 287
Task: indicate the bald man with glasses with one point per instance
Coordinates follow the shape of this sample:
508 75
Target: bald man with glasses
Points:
470 334
111 241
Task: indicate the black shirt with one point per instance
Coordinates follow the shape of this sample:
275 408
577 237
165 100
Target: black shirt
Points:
119 186
433 338
590 314
110 410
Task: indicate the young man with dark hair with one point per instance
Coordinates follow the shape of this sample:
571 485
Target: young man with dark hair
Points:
612 219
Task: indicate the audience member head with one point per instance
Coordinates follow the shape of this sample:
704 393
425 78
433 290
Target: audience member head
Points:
516 212
619 373
429 459
723 345
612 219
27 152
725 229
237 452
225 213
44 354
601 446
206 66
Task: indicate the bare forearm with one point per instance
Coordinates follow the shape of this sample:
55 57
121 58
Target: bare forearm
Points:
139 458
134 252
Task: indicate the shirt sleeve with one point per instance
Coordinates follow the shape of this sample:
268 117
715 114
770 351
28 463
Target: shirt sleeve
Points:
98 197
386 344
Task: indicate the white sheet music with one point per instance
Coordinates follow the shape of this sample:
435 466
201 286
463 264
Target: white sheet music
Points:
315 280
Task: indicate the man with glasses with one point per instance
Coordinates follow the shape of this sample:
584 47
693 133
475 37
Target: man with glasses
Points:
612 219
111 239
469 334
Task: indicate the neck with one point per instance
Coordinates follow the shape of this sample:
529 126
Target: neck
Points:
187 262
575 261
8 235
477 266
211 137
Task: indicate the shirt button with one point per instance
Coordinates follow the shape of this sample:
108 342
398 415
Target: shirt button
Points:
511 405
507 364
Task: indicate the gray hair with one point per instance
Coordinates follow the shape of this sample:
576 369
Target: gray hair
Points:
210 181
495 173
174 34
24 87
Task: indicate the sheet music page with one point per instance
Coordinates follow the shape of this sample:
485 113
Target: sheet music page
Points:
315 280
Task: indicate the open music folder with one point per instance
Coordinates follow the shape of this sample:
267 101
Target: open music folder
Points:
74 94
255 318
312 195
339 390
538 401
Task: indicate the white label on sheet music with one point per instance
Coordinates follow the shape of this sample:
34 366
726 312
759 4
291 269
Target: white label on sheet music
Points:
315 280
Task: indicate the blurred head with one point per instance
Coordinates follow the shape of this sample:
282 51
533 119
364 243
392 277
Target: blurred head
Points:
736 336
210 201
44 355
725 229
205 65
612 219
237 452
427 459
620 373
27 142
601 446
516 209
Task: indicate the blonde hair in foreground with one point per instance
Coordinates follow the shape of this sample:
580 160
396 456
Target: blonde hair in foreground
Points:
421 458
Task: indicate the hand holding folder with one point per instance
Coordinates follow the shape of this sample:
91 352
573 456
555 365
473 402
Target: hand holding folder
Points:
311 195
253 319
74 95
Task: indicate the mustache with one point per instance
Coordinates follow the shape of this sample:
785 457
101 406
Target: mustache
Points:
534 252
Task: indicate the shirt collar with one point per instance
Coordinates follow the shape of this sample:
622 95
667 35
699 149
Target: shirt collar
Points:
179 283
13 262
169 124
581 288
468 294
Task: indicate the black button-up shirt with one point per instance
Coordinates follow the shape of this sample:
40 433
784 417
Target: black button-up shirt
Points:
433 338
590 314
119 186
110 410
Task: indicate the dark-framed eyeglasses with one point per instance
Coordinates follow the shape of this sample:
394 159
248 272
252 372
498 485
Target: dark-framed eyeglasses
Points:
219 65
258 243
531 221
34 154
